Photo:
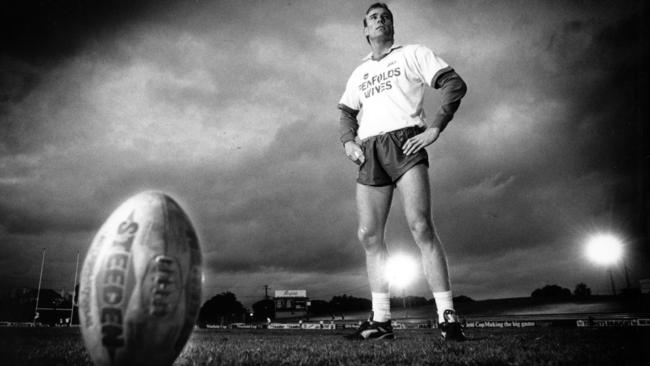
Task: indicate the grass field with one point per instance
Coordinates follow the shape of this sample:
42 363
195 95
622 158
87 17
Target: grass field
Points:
508 346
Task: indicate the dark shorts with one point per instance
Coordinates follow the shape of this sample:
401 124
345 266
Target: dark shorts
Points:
385 162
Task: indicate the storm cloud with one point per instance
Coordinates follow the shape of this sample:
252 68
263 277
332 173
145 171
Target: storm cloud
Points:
230 106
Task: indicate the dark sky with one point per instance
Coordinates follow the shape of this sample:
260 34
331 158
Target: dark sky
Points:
230 107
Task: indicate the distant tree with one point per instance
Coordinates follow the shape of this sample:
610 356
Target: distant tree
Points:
411 301
551 291
463 298
396 302
320 307
223 307
582 290
416 300
343 303
264 309
632 291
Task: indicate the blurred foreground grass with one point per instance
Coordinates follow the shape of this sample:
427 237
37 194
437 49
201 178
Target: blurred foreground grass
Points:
527 346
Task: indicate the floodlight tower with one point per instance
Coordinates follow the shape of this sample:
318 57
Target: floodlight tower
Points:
606 250
38 292
400 271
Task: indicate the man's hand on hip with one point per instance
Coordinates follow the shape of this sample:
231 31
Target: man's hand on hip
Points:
354 152
420 141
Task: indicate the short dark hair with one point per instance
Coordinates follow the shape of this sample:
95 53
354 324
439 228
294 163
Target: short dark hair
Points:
375 6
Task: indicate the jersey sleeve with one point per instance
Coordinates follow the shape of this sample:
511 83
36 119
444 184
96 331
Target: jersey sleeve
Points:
350 96
427 65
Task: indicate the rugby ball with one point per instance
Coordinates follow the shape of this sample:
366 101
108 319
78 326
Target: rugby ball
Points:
140 287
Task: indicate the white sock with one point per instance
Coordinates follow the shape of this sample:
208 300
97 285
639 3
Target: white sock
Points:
380 306
444 301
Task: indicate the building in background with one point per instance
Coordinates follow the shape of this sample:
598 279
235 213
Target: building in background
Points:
291 303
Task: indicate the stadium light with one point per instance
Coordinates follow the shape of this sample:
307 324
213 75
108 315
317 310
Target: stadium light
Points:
605 250
400 270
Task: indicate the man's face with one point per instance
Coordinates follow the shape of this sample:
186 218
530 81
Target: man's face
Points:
379 24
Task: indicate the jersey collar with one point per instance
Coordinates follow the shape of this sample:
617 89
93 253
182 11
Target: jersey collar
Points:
393 47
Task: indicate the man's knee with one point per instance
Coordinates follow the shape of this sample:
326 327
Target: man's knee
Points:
421 227
370 237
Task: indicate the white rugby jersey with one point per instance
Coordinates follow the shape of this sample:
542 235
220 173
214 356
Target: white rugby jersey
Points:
390 92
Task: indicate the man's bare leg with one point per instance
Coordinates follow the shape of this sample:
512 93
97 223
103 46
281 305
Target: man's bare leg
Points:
373 205
416 197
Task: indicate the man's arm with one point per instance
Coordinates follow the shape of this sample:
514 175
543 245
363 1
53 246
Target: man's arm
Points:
453 89
348 126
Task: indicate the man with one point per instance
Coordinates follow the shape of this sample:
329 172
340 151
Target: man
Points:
388 143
